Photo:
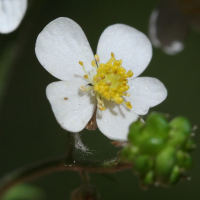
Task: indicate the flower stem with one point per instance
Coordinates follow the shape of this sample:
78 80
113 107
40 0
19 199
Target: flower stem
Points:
85 177
59 164
70 148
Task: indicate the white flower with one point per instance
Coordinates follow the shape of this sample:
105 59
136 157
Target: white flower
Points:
11 14
170 22
63 49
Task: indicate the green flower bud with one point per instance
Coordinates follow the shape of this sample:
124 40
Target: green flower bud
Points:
174 176
165 161
157 124
159 150
151 144
181 123
189 145
177 137
149 178
128 153
134 131
143 164
184 160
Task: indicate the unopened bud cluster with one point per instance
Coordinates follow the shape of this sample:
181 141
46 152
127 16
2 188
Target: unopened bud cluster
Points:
160 150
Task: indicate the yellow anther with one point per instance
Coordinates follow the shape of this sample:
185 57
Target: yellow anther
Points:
82 88
124 82
108 83
116 63
101 91
127 94
101 65
106 95
106 87
93 63
85 76
96 88
114 68
126 87
118 100
94 78
98 79
116 94
126 76
102 76
102 108
121 71
101 86
81 63
97 58
128 105
122 89
129 73
107 67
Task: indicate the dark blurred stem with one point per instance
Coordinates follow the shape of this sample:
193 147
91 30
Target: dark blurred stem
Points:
70 149
84 177
60 164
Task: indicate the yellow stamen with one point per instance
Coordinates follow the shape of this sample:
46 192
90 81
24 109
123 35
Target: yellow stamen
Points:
81 63
93 63
85 76
110 82
97 58
129 73
128 105
82 88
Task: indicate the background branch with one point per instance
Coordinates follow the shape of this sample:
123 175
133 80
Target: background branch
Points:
59 164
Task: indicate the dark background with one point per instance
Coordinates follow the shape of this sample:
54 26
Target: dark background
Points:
28 129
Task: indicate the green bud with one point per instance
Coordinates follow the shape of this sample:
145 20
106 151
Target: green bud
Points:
128 153
149 178
157 124
174 176
134 131
159 150
143 164
184 160
189 145
151 144
165 161
177 137
181 123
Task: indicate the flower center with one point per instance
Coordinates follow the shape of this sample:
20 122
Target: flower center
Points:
110 81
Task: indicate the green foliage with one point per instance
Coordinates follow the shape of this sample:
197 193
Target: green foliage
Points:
160 150
24 192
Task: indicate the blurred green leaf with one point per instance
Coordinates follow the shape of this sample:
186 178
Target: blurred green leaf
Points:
24 192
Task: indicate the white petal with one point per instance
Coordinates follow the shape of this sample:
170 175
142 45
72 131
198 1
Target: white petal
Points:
145 92
168 27
11 14
71 107
115 120
128 44
60 47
